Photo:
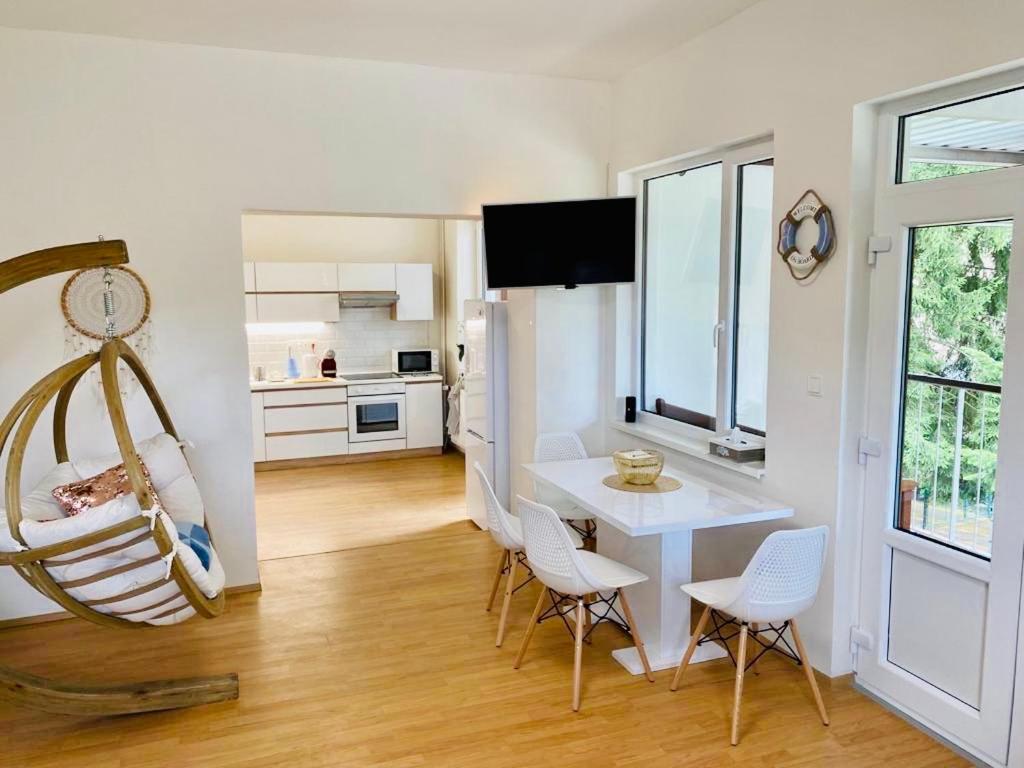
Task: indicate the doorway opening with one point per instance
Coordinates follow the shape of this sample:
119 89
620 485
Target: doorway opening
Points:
354 325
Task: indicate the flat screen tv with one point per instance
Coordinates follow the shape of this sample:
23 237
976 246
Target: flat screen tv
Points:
571 243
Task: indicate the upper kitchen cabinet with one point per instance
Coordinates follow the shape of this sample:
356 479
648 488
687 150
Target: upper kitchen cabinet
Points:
298 307
296 277
366 277
415 286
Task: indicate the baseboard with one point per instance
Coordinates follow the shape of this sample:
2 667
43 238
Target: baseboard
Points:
350 458
42 618
46 618
242 589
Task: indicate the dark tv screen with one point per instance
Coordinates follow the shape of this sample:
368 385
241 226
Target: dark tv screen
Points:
577 242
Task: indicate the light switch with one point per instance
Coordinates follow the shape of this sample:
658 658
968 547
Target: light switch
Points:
814 386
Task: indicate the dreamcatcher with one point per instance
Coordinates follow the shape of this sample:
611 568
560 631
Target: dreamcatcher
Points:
104 304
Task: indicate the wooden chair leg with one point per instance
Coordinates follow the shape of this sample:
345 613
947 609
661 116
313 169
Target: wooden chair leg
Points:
502 560
577 672
741 662
634 632
510 585
530 627
809 671
588 619
756 649
694 639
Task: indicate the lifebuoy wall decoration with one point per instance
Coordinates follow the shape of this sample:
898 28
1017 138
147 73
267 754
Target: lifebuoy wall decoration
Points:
803 265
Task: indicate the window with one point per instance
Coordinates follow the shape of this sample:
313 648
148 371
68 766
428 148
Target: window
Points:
978 134
754 260
707 252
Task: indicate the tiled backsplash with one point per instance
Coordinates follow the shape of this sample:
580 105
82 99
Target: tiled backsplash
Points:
363 340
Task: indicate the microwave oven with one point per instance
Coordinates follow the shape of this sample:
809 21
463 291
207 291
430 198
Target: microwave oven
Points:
409 361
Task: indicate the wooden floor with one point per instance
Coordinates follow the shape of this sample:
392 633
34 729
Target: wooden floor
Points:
379 653
384 656
347 506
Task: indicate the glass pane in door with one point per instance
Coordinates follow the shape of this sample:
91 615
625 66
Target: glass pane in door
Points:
953 370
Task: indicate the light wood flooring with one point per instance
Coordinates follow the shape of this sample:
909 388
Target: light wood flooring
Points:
384 657
348 506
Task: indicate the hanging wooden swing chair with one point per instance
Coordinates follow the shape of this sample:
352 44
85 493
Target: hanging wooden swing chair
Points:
47 695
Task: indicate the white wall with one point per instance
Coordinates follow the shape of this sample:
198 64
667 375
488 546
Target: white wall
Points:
166 145
283 237
797 69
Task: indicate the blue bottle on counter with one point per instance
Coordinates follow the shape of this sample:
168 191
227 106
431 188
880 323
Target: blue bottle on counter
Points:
293 366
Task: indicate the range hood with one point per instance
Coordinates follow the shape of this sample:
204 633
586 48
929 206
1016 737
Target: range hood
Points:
358 299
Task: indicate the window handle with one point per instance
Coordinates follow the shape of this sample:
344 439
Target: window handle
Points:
715 333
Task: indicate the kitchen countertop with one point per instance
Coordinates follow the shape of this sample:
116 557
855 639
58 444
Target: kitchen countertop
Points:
273 386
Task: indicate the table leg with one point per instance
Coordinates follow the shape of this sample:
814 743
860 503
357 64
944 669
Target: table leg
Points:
661 608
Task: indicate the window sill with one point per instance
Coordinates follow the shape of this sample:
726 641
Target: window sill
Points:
697 449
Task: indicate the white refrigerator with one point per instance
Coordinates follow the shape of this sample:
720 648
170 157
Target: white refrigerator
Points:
485 420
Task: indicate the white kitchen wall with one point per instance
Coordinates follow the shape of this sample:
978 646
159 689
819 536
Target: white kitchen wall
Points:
167 145
800 70
362 341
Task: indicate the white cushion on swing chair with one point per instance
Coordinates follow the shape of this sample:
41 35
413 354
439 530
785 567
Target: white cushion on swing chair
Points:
44 523
133 609
168 471
40 505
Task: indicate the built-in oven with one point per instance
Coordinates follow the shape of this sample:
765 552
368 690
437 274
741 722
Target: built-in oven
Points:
376 412
412 361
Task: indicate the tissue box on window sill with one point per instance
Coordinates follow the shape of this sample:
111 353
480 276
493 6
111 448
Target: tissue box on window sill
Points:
737 447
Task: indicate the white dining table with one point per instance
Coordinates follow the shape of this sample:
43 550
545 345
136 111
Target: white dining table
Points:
653 532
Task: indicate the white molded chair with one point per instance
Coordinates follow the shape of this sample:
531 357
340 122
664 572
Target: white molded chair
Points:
561 446
568 572
507 533
780 582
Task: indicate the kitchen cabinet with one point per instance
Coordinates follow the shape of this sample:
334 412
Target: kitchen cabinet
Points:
259 444
424 415
305 418
415 286
296 277
251 315
366 277
249 276
319 396
307 445
302 423
298 307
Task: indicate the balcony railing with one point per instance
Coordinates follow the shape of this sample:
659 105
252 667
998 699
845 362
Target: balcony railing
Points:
950 446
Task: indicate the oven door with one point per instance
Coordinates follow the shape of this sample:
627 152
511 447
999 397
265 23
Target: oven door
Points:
415 361
376 417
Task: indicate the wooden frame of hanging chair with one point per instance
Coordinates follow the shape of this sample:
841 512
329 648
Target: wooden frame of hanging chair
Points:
36 692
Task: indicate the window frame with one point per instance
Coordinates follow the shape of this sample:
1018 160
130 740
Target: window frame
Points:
731 159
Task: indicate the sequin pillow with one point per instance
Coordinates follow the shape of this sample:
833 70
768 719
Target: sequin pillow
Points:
83 495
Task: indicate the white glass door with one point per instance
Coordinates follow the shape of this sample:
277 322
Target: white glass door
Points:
943 523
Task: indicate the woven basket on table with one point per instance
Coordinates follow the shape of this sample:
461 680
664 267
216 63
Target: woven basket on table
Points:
638 466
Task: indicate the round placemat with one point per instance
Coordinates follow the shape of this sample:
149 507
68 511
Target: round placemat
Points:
662 485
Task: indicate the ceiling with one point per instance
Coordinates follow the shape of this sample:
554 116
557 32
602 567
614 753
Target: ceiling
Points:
590 39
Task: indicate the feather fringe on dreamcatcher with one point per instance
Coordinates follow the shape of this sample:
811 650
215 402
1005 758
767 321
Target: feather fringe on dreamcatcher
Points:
102 304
